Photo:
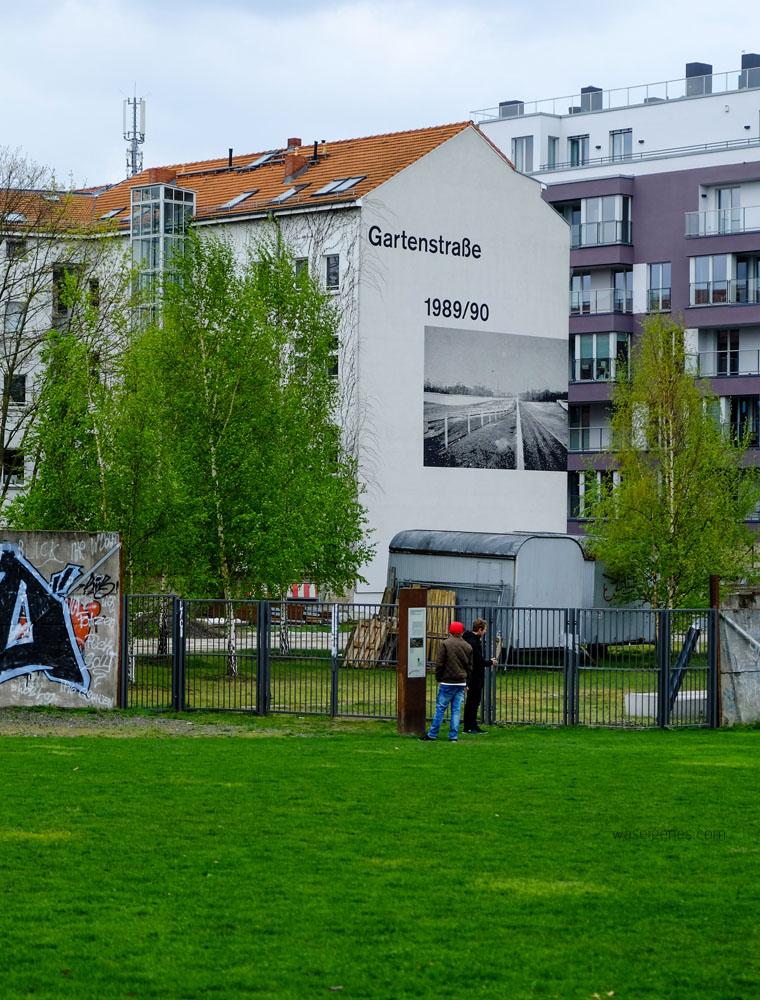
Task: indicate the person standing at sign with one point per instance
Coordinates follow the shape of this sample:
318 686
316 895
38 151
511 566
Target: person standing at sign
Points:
453 667
474 637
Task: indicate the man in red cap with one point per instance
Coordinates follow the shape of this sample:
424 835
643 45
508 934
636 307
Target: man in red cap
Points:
453 667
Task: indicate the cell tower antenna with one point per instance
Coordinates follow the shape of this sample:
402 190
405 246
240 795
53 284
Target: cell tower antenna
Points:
134 133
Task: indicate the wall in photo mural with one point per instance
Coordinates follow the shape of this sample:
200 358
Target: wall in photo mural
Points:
59 618
494 401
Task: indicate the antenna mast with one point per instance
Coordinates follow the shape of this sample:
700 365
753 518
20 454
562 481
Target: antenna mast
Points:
134 133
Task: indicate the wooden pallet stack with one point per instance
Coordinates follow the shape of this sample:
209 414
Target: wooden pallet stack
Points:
440 615
374 641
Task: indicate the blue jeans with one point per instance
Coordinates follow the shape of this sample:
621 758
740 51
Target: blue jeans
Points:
448 694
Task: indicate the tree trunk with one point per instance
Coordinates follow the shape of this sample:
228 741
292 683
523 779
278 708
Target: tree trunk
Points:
284 637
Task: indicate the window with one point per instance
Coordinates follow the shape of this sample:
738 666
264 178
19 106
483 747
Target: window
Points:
301 266
14 249
580 484
747 275
659 287
606 220
552 152
332 272
743 415
622 295
522 153
340 185
261 160
65 281
238 198
288 194
580 294
598 357
710 280
621 144
15 386
13 467
727 342
113 213
13 322
727 202
577 146
571 213
579 420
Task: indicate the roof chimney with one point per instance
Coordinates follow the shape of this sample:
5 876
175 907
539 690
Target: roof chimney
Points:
293 143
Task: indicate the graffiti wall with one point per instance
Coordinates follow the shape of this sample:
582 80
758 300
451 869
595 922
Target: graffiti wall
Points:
59 618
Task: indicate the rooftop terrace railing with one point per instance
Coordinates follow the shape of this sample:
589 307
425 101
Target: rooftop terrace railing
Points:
626 97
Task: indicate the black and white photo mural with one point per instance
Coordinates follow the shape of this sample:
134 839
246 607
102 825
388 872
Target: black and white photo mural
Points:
494 401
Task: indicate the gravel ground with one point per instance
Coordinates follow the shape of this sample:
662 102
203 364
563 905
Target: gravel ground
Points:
28 722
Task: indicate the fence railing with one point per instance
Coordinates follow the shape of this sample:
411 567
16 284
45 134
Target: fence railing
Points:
556 666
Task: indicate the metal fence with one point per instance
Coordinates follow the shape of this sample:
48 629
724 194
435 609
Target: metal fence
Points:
556 666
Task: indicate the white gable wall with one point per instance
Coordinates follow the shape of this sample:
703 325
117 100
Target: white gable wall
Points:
464 188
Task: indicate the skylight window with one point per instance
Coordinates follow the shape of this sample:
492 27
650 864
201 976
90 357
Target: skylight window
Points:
341 184
13 217
288 194
113 212
239 197
261 160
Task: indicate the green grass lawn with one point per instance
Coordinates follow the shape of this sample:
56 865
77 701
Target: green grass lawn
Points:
317 859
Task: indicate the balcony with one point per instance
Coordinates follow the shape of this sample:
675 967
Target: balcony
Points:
729 362
594 301
583 439
724 221
597 234
736 292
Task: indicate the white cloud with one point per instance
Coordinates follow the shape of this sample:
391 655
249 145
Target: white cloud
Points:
251 74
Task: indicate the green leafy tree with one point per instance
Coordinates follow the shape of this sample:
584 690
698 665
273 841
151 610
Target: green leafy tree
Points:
244 367
676 516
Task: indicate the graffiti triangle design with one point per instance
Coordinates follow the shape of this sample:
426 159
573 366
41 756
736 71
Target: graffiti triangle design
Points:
22 626
37 625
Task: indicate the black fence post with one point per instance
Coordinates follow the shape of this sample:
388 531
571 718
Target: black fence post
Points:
571 668
663 668
178 654
263 662
334 660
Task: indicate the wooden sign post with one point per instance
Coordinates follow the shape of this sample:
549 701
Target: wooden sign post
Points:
412 642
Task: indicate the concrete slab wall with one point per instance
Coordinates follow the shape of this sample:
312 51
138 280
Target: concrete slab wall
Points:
59 618
740 657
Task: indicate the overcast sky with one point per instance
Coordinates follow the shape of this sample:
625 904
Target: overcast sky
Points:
250 74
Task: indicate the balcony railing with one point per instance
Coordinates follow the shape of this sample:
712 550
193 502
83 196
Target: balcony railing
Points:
589 438
729 362
723 221
596 369
593 301
595 234
737 291
627 97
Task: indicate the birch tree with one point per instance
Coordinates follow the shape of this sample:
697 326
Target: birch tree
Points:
677 514
244 362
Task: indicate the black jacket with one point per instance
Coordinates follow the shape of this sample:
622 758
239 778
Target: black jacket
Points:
479 662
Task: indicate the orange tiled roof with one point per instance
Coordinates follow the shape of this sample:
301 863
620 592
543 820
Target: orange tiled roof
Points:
375 159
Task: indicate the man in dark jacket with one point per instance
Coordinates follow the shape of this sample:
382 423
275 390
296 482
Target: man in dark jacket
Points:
474 637
453 667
